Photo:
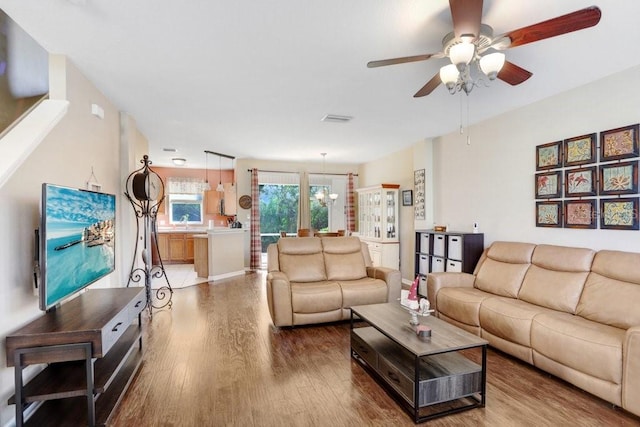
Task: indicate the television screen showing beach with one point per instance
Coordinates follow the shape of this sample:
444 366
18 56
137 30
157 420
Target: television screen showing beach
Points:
79 230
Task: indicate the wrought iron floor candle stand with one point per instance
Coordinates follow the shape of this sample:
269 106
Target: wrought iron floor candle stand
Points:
145 191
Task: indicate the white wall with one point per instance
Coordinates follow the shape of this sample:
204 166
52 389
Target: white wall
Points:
79 142
492 180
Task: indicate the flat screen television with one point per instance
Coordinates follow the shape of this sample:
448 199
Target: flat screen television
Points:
77 241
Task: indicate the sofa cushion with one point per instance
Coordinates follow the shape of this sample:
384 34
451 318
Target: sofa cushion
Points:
315 297
343 258
583 345
363 291
509 319
301 259
612 292
504 268
462 304
556 277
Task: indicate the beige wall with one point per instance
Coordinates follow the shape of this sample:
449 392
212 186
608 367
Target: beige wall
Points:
397 169
66 156
492 180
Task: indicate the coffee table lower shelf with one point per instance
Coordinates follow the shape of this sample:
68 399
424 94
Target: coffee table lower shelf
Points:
446 383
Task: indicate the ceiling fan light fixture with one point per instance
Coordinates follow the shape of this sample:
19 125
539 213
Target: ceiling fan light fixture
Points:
491 64
461 54
449 75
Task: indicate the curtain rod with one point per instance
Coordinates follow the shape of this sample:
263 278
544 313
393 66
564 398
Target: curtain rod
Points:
315 173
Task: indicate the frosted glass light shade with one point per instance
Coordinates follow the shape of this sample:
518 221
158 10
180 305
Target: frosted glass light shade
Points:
461 54
492 64
449 75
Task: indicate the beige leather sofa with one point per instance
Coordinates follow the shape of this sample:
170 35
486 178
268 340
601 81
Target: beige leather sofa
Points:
572 312
316 280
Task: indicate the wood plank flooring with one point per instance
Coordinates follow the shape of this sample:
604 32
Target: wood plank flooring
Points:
215 359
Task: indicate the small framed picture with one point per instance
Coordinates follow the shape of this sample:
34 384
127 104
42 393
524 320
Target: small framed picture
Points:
619 214
620 143
407 198
549 156
549 214
580 150
548 185
580 214
580 182
618 178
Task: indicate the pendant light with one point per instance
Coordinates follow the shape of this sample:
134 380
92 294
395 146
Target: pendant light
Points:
220 188
206 186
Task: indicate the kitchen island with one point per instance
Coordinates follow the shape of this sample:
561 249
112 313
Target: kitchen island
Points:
223 252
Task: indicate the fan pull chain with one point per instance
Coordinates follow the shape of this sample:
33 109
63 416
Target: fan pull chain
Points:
468 132
461 128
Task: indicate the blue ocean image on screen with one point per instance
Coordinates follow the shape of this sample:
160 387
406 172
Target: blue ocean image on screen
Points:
80 245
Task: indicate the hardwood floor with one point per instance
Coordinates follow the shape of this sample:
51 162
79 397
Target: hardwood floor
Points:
215 359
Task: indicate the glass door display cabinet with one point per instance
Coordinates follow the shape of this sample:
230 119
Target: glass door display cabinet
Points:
378 223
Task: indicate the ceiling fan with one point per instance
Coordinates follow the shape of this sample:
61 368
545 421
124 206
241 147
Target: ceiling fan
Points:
471 39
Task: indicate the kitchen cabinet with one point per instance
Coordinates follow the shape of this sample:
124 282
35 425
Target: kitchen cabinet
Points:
213 199
176 248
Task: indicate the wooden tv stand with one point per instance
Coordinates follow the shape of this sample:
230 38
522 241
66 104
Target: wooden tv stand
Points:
89 346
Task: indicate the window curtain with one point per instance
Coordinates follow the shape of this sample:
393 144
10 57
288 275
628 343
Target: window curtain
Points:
256 241
304 205
180 185
350 205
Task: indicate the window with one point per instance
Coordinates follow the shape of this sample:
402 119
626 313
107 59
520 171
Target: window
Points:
332 215
279 193
185 208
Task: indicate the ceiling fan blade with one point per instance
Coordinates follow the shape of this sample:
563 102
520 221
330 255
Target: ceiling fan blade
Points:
403 60
564 24
429 87
513 74
466 15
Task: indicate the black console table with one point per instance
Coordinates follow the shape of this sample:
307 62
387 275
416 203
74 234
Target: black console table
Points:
89 346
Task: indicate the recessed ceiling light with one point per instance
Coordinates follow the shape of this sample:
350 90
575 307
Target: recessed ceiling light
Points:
179 161
170 150
336 118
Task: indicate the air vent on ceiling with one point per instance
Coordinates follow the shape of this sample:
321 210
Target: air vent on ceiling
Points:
334 118
170 150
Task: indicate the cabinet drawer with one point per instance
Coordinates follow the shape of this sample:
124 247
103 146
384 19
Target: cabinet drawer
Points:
424 243
114 330
438 244
437 265
364 350
454 266
119 324
137 305
396 378
454 247
442 377
423 266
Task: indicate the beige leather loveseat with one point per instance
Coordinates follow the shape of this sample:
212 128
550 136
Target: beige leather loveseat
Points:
316 280
572 312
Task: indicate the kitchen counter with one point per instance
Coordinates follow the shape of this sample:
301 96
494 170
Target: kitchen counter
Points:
223 250
192 230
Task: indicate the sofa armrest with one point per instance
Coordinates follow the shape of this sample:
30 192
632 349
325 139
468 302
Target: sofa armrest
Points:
437 281
631 371
279 298
393 279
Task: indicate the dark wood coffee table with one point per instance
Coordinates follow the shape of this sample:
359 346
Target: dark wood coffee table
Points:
428 377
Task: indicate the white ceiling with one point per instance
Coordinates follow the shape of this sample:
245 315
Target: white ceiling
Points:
252 79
